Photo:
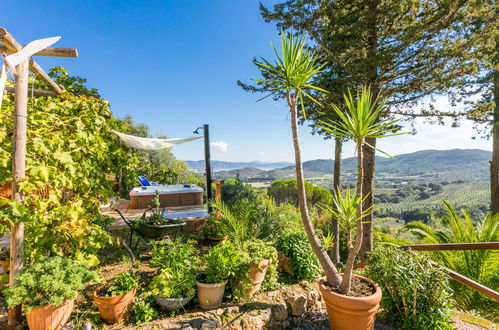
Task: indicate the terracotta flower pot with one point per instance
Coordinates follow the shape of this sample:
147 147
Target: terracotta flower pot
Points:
256 274
351 313
49 317
210 295
113 309
215 240
6 190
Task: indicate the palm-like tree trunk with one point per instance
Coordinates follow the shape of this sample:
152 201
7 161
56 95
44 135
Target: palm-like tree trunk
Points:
335 226
347 274
369 158
330 270
494 163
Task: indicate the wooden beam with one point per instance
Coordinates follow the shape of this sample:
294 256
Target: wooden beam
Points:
453 246
14 46
35 92
19 171
49 51
469 282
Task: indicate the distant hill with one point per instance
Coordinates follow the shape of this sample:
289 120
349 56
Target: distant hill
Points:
217 165
425 165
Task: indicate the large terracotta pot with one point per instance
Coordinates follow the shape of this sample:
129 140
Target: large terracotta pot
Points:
210 295
113 309
215 240
351 313
6 190
49 317
256 274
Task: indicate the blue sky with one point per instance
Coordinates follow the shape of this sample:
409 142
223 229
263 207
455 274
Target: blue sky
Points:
173 65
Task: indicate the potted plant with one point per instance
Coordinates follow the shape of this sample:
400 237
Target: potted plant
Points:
4 260
221 264
114 298
155 224
47 290
289 75
213 231
257 257
173 290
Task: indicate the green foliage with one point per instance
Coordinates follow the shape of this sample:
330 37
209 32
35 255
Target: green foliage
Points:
48 281
4 254
416 295
304 263
143 310
252 253
122 283
479 265
175 255
286 191
234 190
173 284
213 228
222 262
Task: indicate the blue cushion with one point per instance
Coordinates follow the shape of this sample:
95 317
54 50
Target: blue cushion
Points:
143 181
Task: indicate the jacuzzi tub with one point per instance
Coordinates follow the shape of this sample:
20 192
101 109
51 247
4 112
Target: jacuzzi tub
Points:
169 196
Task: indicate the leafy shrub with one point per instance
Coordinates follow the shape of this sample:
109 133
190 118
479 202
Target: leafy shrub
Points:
304 263
286 191
222 262
416 295
143 309
176 255
122 283
173 284
213 228
234 190
48 281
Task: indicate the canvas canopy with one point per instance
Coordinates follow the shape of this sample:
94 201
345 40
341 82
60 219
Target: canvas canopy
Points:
151 143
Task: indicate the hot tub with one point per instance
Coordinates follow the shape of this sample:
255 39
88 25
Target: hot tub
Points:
169 196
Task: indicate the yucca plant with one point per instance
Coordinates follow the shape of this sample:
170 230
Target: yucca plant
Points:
479 265
359 121
290 75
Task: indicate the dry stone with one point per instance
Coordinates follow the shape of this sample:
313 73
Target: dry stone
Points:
297 304
280 312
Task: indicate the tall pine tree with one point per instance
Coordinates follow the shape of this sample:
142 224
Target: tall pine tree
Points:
405 50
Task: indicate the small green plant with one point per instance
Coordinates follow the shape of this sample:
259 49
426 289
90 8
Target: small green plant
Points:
252 253
222 262
172 284
122 283
416 295
156 218
176 255
143 309
304 263
213 228
4 254
48 281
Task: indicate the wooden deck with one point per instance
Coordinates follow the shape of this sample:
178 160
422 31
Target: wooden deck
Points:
194 215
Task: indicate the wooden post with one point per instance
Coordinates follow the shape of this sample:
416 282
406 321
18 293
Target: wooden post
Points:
19 171
218 193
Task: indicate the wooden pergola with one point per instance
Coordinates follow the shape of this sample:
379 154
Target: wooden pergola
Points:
20 90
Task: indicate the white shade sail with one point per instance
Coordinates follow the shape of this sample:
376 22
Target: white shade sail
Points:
150 143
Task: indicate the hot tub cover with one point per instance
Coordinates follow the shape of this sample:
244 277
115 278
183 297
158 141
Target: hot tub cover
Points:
151 143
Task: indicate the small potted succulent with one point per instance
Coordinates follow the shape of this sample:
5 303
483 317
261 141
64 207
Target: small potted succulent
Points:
213 231
47 290
4 260
114 298
221 263
173 290
153 223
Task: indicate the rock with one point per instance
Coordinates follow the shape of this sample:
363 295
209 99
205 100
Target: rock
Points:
210 324
232 310
314 301
187 327
298 304
280 312
220 312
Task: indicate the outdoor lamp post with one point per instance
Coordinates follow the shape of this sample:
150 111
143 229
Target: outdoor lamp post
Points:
207 162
